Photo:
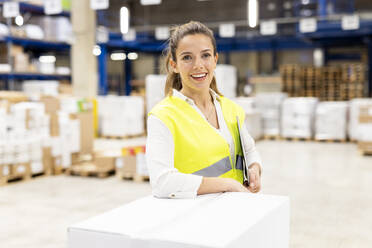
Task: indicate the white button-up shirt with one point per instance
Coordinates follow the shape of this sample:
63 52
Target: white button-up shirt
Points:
166 180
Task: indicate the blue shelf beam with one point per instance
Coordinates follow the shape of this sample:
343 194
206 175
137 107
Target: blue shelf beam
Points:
39 45
38 10
370 67
32 76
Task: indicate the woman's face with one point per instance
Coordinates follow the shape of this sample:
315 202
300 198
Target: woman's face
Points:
195 62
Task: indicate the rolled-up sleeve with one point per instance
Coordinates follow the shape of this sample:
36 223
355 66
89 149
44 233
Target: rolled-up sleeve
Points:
166 181
251 152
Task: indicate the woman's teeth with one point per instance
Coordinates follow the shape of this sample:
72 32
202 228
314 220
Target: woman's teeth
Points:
199 76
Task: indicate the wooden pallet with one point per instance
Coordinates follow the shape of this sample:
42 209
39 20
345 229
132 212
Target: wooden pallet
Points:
124 137
271 137
296 139
365 152
130 176
90 170
332 140
18 172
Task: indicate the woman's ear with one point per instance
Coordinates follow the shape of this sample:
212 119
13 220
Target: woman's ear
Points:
216 58
173 64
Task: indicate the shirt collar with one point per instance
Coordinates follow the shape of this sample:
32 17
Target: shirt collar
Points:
178 94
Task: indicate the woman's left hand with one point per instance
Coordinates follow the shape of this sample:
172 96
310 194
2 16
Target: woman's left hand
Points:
254 178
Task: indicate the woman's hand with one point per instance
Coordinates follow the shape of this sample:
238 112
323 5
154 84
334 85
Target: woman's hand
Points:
235 186
254 178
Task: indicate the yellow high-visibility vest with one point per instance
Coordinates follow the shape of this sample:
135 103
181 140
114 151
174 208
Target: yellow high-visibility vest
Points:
198 148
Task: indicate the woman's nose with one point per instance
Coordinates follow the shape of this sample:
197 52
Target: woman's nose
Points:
198 63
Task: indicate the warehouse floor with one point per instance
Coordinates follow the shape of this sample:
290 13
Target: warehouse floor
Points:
329 186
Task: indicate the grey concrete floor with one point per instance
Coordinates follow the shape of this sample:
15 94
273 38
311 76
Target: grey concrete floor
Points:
329 186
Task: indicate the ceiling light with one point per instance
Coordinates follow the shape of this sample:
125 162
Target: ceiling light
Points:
150 2
305 2
118 56
47 59
19 20
96 50
124 20
132 56
252 13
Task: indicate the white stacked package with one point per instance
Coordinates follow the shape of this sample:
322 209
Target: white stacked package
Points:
253 119
121 115
227 80
255 220
69 135
331 120
269 105
298 116
155 85
356 129
35 87
27 127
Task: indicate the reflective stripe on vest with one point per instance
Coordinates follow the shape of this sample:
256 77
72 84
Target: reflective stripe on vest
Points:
220 168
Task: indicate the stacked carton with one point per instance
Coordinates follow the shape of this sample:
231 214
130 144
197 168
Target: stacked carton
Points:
269 104
297 118
331 121
354 131
132 164
365 129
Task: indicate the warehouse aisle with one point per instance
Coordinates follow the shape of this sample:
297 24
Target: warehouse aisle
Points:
328 184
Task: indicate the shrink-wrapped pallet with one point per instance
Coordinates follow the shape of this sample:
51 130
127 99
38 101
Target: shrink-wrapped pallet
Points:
331 120
269 105
297 117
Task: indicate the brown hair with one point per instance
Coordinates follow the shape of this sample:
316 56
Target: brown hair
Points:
178 32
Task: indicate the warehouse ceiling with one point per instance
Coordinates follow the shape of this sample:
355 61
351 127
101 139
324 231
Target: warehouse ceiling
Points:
217 11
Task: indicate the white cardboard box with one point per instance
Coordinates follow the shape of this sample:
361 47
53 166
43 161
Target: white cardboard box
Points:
214 220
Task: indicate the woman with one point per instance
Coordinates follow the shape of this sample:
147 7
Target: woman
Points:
193 145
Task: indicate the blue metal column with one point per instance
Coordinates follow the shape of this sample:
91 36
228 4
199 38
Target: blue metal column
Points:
102 71
128 76
369 68
322 7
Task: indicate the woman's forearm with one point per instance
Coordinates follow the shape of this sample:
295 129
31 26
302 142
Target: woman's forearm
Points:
217 185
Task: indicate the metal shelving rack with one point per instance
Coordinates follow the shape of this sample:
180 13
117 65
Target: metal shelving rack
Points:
37 46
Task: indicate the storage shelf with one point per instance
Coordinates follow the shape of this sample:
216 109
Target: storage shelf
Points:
39 10
40 45
34 76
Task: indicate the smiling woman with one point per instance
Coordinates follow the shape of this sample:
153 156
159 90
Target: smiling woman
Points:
193 144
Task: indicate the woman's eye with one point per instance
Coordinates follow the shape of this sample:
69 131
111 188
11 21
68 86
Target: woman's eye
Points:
187 57
206 55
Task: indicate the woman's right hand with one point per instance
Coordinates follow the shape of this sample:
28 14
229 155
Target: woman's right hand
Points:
235 186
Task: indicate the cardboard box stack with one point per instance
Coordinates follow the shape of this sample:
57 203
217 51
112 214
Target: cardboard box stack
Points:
269 104
121 116
155 85
263 84
297 118
227 80
331 120
35 88
23 127
354 130
365 129
132 164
